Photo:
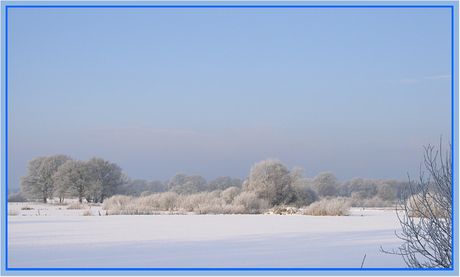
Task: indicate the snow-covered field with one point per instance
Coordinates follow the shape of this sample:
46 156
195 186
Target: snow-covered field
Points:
54 237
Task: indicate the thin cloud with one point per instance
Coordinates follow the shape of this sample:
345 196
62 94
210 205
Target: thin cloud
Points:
413 80
437 77
408 80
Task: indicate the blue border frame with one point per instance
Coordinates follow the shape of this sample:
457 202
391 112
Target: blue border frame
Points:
453 6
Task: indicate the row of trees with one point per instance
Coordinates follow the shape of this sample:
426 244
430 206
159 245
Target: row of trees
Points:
61 176
271 180
97 179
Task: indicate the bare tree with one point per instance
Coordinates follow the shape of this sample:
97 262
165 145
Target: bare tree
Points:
427 214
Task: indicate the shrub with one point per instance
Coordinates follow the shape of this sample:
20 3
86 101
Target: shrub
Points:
75 206
87 213
325 207
229 194
13 212
150 202
221 209
304 195
250 202
116 202
425 205
209 209
232 209
216 193
200 203
168 201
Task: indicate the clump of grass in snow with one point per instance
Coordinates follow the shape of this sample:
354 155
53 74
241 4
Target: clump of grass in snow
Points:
283 210
200 203
332 207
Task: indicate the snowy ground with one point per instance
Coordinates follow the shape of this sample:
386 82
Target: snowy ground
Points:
54 237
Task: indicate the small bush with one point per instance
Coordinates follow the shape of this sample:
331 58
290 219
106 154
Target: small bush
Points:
87 213
426 206
116 202
168 201
221 209
332 207
13 212
75 206
229 194
251 203
233 209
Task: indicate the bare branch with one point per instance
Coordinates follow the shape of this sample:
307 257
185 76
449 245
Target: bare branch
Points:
427 214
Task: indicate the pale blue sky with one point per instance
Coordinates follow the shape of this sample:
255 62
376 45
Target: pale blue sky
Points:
211 91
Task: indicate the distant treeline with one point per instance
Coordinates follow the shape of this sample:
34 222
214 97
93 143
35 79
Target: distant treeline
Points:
97 179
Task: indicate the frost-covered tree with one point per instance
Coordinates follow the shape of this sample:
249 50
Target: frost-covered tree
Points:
271 180
16 197
365 188
156 186
223 183
325 184
184 184
305 195
106 179
135 187
38 182
347 187
177 179
427 214
73 179
250 202
193 184
229 194
388 191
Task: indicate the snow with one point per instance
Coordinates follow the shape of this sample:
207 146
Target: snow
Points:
61 238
